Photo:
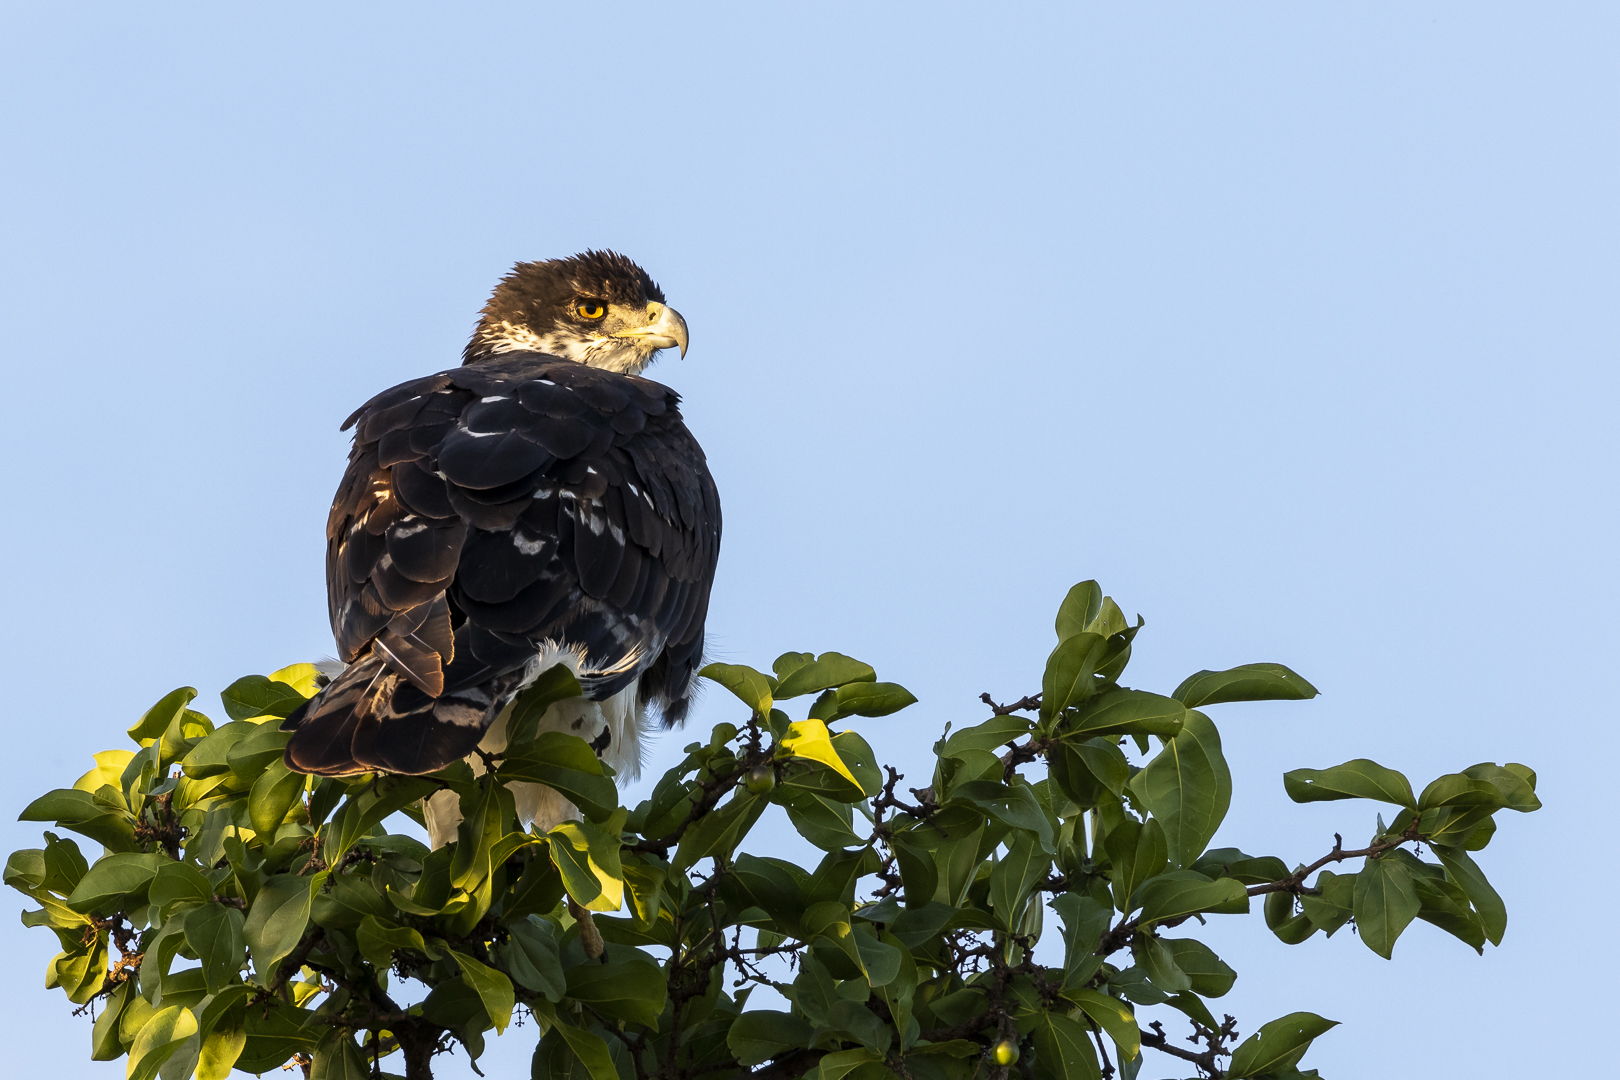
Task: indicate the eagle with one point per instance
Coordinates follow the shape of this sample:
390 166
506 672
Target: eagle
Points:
540 504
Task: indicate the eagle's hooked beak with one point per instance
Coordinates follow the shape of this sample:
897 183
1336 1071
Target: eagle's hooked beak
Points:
664 328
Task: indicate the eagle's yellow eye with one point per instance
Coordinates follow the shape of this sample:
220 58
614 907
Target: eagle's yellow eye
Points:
591 309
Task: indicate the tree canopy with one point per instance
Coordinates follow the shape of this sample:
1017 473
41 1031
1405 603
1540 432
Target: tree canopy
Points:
1014 913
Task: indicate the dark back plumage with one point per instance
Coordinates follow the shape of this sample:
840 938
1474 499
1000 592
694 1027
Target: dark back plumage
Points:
519 500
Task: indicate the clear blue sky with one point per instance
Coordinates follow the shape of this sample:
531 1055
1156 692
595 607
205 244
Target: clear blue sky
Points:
1293 324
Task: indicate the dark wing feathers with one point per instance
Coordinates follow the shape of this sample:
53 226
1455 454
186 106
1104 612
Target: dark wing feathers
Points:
485 510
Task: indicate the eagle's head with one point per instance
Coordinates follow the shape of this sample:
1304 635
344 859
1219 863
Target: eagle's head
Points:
598 308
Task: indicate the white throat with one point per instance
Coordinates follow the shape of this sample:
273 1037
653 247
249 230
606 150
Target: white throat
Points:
625 356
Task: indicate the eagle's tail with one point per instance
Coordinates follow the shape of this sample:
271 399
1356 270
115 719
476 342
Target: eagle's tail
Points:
371 719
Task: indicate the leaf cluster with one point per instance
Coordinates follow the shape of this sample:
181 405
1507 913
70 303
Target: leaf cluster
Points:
240 916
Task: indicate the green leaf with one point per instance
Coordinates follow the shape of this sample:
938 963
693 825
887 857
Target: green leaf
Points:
751 688
759 1035
272 795
210 757
1277 1046
276 1035
869 699
1182 892
556 683
1014 805
277 919
1358 779
62 805
1248 682
158 1039
156 720
1332 907
1085 919
379 943
255 695
565 763
1193 1007
104 1041
533 960
826 671
841 1063
79 810
629 987
856 753
993 734
1015 875
338 1058
827 824
214 933
1137 852
1515 784
224 1034
493 988
1385 902
1466 874
1068 679
178 883
484 810
720 829
1103 759
375 801
1456 789
918 871
1128 712
1445 905
587 856
1208 974
250 755
1154 957
1113 1016
1187 788
116 881
347 900
564 1042
1082 605
1063 1049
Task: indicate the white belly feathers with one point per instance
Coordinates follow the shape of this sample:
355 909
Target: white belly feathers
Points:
618 715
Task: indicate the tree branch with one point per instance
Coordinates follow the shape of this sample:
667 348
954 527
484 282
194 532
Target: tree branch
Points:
1031 701
1295 882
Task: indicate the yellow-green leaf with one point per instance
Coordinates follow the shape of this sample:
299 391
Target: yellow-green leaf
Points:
810 739
157 1041
587 856
304 678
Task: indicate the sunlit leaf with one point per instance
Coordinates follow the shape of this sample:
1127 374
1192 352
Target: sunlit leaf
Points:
752 688
811 741
255 695
159 1038
826 671
493 989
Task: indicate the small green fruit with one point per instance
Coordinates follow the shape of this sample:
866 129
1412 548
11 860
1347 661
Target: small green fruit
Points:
761 780
1005 1052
